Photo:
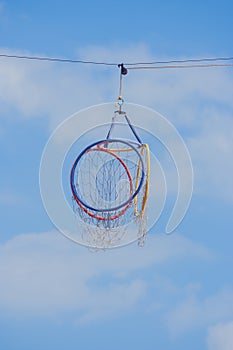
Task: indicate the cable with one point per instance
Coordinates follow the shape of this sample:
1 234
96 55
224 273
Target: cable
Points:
182 61
64 60
56 59
184 66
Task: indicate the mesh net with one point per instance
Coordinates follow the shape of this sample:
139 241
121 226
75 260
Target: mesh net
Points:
109 182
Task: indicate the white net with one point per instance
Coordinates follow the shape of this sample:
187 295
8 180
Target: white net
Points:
109 182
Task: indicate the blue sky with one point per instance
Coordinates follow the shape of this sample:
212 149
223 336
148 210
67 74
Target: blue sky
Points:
176 292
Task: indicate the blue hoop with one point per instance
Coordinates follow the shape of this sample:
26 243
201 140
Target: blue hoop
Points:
72 174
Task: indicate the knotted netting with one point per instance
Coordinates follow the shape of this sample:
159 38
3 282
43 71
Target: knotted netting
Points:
109 182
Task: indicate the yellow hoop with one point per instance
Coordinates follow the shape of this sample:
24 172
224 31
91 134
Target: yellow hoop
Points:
144 147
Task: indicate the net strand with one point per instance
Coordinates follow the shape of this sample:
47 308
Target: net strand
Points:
101 179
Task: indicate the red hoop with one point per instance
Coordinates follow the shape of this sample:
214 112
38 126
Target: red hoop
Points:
98 217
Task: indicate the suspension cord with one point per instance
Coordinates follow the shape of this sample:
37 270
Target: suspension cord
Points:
132 129
120 100
119 104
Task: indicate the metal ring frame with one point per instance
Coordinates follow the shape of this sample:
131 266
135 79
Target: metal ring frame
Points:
87 149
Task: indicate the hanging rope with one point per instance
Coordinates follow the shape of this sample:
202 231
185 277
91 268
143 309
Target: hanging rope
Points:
120 100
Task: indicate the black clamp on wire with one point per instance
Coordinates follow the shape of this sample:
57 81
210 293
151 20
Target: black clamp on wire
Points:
124 70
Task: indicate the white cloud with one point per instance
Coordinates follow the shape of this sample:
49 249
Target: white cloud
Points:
193 312
137 52
61 89
220 336
41 89
56 90
211 151
113 300
181 95
198 101
46 274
